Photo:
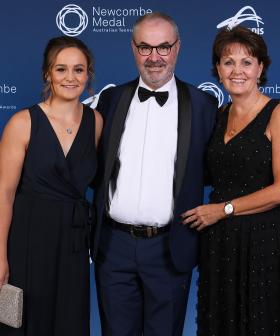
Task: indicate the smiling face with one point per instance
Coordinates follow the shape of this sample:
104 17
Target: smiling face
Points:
68 74
155 70
238 70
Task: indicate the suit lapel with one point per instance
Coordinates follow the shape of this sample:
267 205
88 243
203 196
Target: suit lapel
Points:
117 127
184 131
184 134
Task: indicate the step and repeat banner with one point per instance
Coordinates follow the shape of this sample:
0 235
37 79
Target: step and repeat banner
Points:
105 26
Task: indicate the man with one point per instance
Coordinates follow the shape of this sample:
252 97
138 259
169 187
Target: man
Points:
151 162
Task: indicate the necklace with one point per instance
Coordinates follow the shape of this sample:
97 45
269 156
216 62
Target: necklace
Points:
233 130
69 130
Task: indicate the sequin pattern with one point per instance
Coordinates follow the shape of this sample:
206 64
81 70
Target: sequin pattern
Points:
239 281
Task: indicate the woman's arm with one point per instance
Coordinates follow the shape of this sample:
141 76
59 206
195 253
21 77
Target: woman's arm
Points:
13 147
259 201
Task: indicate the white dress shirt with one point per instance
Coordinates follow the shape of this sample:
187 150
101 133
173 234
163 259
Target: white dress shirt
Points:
147 154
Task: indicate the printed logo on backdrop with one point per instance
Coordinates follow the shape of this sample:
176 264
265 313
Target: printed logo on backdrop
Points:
72 20
6 90
271 90
246 14
214 90
93 100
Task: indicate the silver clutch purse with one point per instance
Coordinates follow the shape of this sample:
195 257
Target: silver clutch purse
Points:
11 303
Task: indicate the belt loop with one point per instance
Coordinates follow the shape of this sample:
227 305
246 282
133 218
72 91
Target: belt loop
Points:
132 232
149 232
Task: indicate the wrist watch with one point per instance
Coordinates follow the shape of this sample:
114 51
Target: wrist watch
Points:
229 209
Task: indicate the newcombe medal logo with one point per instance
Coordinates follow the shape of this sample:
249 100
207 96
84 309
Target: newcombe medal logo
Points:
72 20
246 13
93 100
214 90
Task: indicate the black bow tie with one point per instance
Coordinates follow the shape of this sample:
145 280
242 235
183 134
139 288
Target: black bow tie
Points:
144 94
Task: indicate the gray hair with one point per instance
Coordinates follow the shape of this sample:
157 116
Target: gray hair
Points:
155 16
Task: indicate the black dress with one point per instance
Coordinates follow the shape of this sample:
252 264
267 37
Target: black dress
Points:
239 281
48 239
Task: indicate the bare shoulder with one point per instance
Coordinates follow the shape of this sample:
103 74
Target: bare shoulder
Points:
98 122
19 125
98 117
98 126
276 111
275 117
20 119
273 129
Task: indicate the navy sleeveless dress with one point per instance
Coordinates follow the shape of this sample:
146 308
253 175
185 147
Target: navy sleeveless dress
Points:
239 281
48 250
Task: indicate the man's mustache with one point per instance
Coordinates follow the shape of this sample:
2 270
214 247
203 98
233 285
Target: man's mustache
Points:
149 63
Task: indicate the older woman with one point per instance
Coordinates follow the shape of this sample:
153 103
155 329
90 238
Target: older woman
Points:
239 282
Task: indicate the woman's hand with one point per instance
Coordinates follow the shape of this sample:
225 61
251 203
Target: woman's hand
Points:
203 215
4 272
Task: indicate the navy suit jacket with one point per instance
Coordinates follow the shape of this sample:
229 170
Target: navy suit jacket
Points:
196 115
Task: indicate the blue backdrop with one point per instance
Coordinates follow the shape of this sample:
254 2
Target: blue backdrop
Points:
26 26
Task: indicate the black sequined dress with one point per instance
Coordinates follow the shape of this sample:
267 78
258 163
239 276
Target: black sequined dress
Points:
239 281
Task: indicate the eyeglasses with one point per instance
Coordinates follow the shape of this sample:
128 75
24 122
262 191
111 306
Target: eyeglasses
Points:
162 49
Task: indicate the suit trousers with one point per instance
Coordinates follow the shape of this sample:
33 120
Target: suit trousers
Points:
139 290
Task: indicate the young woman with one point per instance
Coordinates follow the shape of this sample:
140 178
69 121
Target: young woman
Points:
47 161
